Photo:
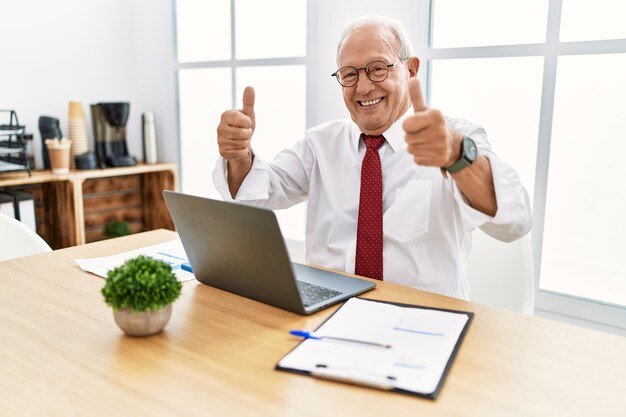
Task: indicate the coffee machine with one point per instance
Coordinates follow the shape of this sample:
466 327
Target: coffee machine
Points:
109 128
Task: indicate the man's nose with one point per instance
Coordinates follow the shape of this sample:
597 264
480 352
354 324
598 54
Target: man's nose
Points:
364 85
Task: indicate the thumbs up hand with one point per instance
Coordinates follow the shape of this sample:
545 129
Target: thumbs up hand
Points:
236 128
429 138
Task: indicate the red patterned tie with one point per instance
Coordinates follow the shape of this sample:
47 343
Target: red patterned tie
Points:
369 235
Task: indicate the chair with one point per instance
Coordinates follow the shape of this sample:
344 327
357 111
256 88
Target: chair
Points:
17 240
501 274
296 250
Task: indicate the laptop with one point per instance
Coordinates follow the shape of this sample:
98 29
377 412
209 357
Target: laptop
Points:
240 249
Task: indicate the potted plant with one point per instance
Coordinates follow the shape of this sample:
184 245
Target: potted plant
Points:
116 229
141 292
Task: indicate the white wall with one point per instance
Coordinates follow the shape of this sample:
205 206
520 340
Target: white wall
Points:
154 71
92 51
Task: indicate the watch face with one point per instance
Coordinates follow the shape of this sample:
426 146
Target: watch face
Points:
470 151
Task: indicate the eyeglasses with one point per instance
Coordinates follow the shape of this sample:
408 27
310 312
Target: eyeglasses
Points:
376 71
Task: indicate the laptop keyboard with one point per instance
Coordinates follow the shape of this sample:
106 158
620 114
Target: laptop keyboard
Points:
313 294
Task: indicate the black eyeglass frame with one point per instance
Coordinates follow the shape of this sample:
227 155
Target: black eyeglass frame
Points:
336 73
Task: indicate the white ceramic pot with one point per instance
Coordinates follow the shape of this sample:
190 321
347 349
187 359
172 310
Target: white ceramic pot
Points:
143 323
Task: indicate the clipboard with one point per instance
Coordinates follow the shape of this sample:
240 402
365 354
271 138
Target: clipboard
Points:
423 343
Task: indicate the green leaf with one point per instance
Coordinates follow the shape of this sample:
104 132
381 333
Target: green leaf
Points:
142 284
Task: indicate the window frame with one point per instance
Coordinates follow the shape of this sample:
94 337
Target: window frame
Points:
547 303
233 63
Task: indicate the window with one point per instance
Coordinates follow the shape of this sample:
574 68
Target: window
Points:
501 94
199 22
583 253
462 23
593 20
545 78
203 94
521 69
223 47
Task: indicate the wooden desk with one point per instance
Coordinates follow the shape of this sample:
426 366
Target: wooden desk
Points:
61 354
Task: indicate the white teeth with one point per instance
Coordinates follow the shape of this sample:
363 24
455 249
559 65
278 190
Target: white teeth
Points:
370 102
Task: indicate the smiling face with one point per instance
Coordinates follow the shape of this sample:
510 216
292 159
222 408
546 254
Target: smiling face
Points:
374 107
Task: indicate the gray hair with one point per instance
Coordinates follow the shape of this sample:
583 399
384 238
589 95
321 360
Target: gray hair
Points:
405 48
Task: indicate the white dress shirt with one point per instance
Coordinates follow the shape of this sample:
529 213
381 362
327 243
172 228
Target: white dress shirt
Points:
426 221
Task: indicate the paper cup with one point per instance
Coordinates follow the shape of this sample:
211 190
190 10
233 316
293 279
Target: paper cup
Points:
77 131
59 157
75 110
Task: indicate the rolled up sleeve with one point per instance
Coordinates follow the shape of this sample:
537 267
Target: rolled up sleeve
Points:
279 184
254 187
513 218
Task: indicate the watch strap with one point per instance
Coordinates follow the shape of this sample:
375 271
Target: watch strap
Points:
458 165
462 162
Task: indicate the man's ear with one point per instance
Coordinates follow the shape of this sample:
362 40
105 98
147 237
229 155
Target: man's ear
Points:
413 64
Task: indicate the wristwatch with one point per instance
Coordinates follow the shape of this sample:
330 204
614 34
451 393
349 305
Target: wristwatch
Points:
469 152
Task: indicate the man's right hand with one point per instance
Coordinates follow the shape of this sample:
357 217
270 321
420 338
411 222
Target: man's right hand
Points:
235 130
233 138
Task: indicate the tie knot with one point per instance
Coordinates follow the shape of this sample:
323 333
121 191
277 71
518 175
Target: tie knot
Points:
373 142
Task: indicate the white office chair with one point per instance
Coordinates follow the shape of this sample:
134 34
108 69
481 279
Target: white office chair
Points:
296 250
17 239
501 274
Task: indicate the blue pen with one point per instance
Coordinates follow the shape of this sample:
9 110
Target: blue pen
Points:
309 335
186 267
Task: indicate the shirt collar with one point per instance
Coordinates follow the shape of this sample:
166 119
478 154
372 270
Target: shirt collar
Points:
394 135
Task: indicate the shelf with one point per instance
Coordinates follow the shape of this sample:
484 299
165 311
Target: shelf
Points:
12 144
74 207
41 176
9 166
6 150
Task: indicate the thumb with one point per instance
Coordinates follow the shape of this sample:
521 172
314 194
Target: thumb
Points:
417 98
248 102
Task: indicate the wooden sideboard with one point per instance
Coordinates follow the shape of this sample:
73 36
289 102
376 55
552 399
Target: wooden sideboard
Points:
72 209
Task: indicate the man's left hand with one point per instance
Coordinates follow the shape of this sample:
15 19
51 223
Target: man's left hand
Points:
429 138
